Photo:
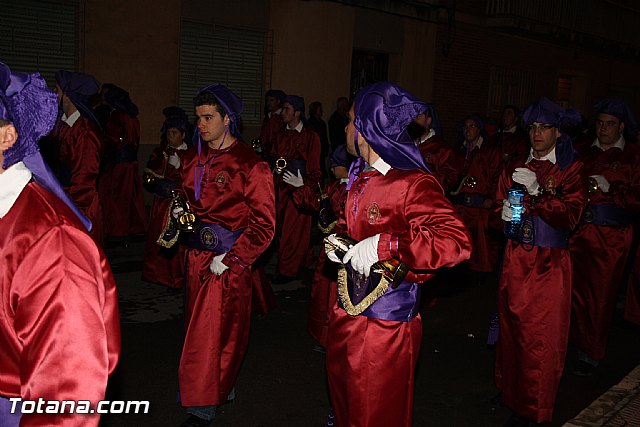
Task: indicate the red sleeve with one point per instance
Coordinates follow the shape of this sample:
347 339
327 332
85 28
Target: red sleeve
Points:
564 210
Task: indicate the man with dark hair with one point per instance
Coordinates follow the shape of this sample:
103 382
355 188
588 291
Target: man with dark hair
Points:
272 124
511 139
396 210
298 147
59 323
534 294
230 191
337 122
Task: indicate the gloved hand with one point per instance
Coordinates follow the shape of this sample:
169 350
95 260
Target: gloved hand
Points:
527 177
332 255
507 213
217 267
602 182
292 179
363 254
174 161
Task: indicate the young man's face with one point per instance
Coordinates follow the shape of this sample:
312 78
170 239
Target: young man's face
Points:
175 137
543 138
508 118
289 115
349 130
471 130
211 124
273 103
608 128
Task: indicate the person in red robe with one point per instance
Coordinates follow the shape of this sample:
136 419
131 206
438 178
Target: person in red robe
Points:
299 147
230 190
479 166
79 139
511 139
165 265
396 210
60 329
272 123
534 293
602 242
437 153
120 185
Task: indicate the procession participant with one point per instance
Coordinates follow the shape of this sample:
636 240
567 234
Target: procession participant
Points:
59 327
396 210
534 294
161 264
613 168
299 147
79 138
230 190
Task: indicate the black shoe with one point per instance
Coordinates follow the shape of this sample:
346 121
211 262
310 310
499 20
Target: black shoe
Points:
516 420
194 421
584 369
281 279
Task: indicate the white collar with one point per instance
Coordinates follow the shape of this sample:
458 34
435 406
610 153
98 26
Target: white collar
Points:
12 182
278 111
344 180
551 156
478 144
620 143
298 127
512 129
381 166
72 119
182 146
426 138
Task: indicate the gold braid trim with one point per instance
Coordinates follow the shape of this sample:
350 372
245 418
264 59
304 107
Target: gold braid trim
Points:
345 300
167 227
152 173
327 230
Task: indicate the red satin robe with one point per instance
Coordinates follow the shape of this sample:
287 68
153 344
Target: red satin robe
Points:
534 295
371 362
512 145
272 126
294 224
485 164
79 155
323 285
599 253
59 323
440 158
121 185
164 266
236 193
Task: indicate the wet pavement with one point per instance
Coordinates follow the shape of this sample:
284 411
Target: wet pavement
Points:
282 381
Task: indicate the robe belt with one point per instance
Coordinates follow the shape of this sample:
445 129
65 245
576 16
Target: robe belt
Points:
471 200
125 155
213 238
534 231
7 419
609 215
400 304
293 165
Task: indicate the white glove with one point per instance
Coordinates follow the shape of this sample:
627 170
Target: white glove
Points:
292 179
602 182
363 255
217 267
332 254
507 213
174 161
527 177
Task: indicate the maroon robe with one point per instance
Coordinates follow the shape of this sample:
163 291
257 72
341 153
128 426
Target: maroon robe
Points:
371 362
599 253
79 162
294 223
164 266
59 323
236 193
272 126
440 158
120 184
485 165
323 285
512 145
534 295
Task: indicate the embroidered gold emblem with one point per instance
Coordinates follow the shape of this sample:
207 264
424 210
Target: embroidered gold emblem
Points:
427 157
615 166
220 179
373 213
550 185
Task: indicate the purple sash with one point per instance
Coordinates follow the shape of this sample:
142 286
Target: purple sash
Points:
400 304
7 419
534 231
471 200
609 215
213 238
295 165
